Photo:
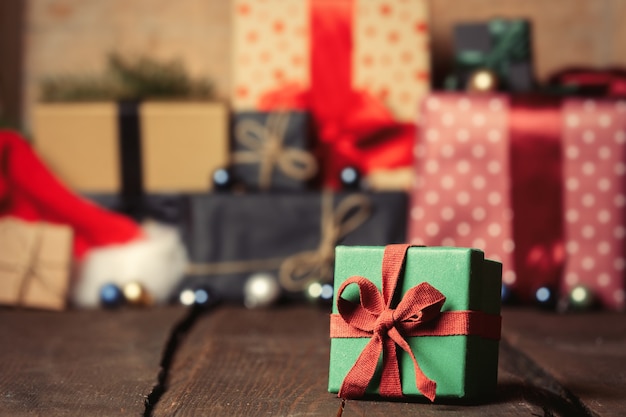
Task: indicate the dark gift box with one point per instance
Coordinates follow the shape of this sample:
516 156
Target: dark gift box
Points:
500 46
271 150
292 236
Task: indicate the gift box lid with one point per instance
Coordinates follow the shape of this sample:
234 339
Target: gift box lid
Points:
463 366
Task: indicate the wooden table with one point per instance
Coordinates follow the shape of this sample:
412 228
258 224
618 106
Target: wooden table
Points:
236 362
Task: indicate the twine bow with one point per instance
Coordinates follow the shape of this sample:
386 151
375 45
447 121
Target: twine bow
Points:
387 326
264 145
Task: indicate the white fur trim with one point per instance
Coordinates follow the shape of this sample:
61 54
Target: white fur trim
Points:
157 262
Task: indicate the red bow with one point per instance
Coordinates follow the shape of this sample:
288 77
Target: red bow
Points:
386 325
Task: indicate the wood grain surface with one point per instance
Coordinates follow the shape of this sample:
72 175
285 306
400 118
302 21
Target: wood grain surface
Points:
80 363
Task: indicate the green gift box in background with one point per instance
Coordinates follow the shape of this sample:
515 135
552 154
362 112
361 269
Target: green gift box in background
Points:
457 349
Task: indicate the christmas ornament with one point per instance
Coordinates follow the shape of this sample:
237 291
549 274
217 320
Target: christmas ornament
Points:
222 179
135 294
199 297
482 80
318 292
350 178
546 297
581 298
505 294
261 290
111 296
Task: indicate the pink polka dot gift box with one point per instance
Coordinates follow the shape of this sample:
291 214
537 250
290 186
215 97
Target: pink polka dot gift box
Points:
538 183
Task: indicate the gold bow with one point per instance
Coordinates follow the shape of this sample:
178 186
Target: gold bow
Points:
297 271
264 145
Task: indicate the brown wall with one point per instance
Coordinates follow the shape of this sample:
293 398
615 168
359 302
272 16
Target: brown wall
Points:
11 29
75 35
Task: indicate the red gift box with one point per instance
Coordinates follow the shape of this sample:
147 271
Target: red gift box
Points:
500 174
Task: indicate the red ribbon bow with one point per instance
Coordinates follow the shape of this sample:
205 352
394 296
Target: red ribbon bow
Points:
387 325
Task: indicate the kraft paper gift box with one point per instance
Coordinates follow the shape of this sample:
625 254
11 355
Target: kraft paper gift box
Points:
363 92
443 286
537 183
35 261
154 146
288 235
273 150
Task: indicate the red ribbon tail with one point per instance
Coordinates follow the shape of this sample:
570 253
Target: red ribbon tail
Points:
358 378
390 385
425 385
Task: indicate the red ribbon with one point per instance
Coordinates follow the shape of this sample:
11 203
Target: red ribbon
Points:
418 313
355 129
606 83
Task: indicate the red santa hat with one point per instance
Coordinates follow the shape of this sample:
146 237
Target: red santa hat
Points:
108 247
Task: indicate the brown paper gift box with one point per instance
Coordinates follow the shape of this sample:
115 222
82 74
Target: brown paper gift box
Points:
35 261
182 143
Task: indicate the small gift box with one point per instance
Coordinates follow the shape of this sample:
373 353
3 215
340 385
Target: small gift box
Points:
431 313
35 260
288 235
271 150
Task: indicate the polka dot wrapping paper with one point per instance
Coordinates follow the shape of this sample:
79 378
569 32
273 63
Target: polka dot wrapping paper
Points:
469 185
390 58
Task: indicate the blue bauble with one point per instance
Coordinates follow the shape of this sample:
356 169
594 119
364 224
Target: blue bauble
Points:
546 297
506 294
111 296
222 179
350 178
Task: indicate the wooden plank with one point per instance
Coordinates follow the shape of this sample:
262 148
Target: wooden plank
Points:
91 363
237 362
585 353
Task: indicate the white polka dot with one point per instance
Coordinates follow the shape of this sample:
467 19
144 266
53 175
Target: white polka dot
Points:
447 213
589 105
604 279
604 184
479 243
417 241
463 229
432 103
432 166
589 168
495 104
478 119
620 137
508 246
419 151
604 152
620 106
572 152
619 264
494 198
619 232
494 135
464 104
447 182
432 197
619 200
508 277
494 229
447 241
462 135
619 295
604 247
432 229
417 213
571 184
463 198
572 120
479 182
604 216
588 232
620 168
589 136
604 120
494 167
571 278
588 263
447 119
447 151
479 213
572 216
571 247
588 200
432 135
478 151
463 166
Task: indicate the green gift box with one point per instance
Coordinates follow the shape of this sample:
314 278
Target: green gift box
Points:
457 348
